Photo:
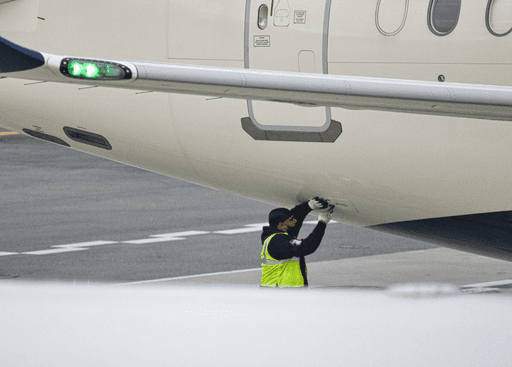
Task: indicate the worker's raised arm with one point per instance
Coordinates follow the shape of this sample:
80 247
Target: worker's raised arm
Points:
310 244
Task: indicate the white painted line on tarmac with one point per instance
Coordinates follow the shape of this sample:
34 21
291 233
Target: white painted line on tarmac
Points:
157 238
190 276
53 252
166 237
69 248
8 253
476 285
248 228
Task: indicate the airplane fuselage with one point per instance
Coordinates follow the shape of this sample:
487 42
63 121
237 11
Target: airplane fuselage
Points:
384 167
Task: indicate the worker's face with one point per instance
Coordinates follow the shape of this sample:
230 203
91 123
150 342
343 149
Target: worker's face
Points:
289 223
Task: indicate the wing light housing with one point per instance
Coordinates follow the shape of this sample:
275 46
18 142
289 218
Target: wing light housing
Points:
94 69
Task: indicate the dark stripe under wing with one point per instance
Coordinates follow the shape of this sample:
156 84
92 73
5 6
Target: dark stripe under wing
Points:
16 58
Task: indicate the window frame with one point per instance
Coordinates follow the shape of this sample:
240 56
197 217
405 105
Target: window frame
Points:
430 20
488 22
402 25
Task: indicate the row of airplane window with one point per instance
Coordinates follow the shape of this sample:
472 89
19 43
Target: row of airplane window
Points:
443 16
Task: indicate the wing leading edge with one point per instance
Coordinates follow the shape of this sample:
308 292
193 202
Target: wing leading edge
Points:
447 99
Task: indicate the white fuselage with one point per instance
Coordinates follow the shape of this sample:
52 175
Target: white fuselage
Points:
385 167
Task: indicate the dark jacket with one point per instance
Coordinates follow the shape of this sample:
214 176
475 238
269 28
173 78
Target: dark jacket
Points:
281 247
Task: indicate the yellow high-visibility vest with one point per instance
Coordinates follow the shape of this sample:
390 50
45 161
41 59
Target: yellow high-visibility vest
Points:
279 273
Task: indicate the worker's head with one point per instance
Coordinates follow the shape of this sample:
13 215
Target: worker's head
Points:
282 219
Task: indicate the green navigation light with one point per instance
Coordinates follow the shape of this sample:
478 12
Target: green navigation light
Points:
87 69
91 69
75 69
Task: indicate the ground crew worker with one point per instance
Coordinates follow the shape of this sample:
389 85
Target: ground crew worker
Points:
283 262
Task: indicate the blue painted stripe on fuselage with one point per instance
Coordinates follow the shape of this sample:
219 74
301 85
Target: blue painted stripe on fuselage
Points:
488 234
16 58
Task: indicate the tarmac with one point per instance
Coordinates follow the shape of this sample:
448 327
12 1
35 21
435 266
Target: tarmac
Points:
471 273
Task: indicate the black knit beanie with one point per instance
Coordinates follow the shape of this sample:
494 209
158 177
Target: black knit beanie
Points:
278 215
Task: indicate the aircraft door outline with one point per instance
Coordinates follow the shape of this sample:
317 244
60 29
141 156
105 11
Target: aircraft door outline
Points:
263 49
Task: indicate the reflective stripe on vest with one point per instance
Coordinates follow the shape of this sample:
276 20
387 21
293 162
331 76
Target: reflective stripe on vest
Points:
275 262
281 273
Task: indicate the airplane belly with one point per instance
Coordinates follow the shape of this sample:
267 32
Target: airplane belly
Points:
384 168
137 125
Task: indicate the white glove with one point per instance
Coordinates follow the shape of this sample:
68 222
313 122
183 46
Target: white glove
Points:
318 203
326 216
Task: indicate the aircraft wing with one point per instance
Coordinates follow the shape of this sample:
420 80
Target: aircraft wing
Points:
448 99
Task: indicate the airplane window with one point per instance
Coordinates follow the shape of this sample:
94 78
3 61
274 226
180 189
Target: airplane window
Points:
443 16
262 16
390 16
498 17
